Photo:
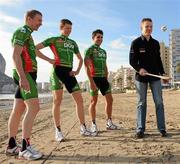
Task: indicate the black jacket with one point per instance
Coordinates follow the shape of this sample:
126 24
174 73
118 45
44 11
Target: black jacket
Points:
146 54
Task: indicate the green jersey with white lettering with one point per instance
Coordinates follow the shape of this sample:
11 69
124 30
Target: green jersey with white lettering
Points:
63 49
98 57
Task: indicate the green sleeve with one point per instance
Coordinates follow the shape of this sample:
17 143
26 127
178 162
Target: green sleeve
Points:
105 53
48 42
87 53
76 48
20 37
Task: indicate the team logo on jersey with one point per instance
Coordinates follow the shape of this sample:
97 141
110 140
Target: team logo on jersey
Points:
23 30
60 41
102 54
68 45
95 52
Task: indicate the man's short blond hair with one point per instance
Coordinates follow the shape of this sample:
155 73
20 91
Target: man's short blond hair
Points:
32 14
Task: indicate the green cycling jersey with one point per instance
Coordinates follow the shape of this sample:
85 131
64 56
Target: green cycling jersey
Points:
98 57
22 37
63 49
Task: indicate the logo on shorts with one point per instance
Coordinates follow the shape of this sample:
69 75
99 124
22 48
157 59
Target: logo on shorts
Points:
76 87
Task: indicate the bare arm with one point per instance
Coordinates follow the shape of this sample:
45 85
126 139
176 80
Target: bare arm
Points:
19 67
73 73
106 71
88 63
41 55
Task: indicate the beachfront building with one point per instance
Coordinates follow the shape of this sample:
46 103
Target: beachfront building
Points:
84 85
129 77
175 54
39 86
46 86
165 57
123 79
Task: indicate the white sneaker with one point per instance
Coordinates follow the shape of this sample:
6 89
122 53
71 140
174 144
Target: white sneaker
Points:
84 131
13 151
32 149
94 129
111 126
59 136
30 154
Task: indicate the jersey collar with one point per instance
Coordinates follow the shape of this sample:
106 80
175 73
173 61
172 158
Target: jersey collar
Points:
28 28
63 36
96 46
143 37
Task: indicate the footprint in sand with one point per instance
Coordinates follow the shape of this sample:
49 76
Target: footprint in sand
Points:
87 143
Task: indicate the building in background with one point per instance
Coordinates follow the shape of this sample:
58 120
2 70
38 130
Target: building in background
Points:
165 57
46 87
174 48
123 79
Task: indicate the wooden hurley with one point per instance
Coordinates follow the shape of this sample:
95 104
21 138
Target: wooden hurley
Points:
161 77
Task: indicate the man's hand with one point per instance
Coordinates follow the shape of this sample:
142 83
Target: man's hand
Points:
165 81
142 72
23 82
51 61
73 73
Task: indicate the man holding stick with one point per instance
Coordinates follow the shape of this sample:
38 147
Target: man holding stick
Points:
145 58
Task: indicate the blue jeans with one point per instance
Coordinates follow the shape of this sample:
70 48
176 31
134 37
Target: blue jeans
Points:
156 89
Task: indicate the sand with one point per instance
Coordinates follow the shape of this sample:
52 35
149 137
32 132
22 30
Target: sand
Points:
109 146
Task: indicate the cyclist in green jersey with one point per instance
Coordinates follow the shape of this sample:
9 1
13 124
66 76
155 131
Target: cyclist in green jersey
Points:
64 49
97 72
26 96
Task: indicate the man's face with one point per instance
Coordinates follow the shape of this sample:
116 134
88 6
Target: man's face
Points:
98 38
146 28
35 22
66 29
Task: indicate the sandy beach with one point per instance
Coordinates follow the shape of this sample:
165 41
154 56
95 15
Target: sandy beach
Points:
109 146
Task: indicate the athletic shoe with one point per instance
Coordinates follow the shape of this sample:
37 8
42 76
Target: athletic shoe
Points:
139 135
84 131
13 151
111 126
94 129
59 136
30 154
163 133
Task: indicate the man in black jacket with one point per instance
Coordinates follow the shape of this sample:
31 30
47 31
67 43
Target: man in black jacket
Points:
145 57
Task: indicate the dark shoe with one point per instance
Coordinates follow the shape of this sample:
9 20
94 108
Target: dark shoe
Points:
163 133
139 135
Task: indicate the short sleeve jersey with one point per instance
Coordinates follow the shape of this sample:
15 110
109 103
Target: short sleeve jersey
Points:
22 37
98 57
63 49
